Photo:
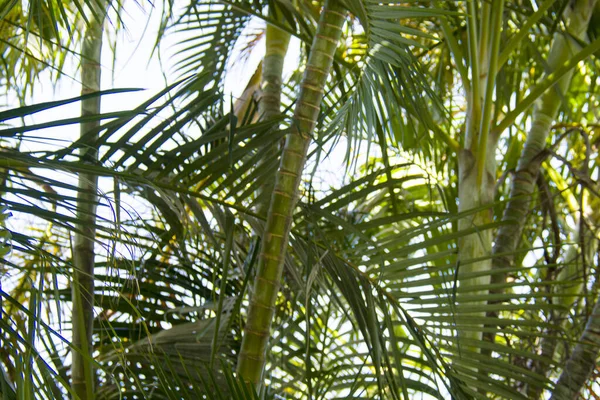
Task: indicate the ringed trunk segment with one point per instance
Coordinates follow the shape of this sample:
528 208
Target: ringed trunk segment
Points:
251 359
82 318
524 178
277 42
276 46
582 361
523 181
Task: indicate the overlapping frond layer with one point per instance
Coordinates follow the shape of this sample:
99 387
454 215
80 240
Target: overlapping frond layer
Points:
381 94
150 263
211 30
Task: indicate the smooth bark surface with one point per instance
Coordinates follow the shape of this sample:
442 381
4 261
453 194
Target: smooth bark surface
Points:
251 358
82 370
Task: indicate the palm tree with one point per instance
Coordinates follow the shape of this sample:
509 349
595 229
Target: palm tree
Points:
375 284
523 182
285 193
276 46
485 59
82 317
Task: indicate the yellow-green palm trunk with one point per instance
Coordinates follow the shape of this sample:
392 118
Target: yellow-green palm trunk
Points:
82 370
277 42
276 46
252 355
477 172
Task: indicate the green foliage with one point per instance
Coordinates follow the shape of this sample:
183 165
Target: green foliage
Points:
368 302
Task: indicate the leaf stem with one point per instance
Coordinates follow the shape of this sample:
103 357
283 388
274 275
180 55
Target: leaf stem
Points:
517 39
475 97
252 355
488 104
459 58
546 84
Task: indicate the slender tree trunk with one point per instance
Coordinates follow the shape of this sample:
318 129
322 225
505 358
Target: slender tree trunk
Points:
82 370
568 295
252 355
523 181
582 362
477 170
474 249
277 42
276 46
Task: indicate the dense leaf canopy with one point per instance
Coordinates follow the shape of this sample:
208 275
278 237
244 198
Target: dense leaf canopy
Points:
452 252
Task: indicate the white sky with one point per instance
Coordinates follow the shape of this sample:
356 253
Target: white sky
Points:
135 67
